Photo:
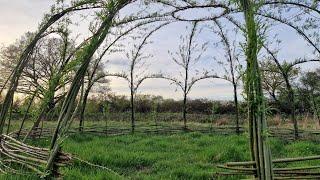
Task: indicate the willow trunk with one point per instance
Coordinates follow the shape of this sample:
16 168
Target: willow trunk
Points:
83 109
236 104
256 109
84 56
291 99
185 111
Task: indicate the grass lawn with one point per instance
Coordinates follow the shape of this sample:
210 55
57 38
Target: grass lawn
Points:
179 156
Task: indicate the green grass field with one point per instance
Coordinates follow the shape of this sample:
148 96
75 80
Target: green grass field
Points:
178 156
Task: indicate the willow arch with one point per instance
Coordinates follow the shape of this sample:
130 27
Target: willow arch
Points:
260 151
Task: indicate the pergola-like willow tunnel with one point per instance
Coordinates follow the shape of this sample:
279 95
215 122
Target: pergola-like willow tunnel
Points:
245 15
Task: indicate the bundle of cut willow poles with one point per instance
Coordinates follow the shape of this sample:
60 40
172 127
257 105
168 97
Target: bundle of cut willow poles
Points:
16 155
247 169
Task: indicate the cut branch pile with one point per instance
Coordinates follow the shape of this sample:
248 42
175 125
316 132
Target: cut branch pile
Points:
248 169
16 155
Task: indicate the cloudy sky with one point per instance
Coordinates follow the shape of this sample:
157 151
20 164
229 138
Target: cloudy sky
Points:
20 16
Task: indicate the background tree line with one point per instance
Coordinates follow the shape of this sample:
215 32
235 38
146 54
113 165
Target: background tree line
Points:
306 88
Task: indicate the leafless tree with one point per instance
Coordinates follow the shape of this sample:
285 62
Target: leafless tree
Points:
45 72
137 70
190 52
59 76
231 64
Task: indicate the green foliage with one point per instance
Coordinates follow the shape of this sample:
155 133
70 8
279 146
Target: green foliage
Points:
92 107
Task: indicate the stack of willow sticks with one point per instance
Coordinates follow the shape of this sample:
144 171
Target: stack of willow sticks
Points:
248 169
16 155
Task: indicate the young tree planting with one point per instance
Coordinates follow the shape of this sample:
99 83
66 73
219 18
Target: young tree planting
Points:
137 71
190 53
231 65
